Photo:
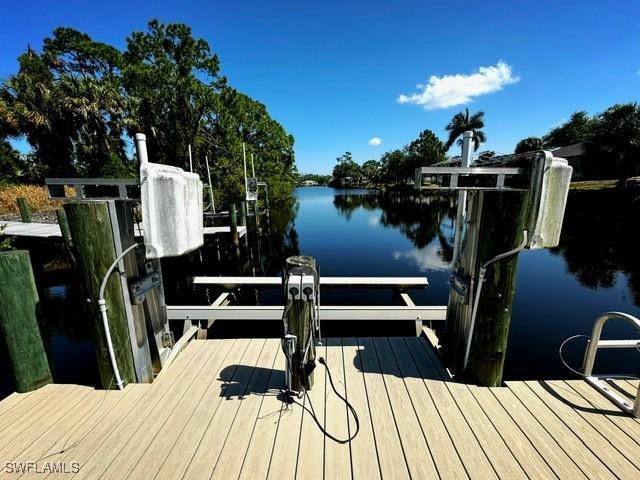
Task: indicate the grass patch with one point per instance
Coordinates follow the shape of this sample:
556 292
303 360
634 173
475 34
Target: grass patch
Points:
35 195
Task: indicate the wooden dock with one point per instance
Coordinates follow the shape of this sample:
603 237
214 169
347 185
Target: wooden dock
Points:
217 413
52 230
33 230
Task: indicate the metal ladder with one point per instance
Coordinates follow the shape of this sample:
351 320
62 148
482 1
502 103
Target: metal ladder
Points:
595 343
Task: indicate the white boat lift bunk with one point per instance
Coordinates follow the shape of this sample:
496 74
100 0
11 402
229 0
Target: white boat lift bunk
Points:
222 309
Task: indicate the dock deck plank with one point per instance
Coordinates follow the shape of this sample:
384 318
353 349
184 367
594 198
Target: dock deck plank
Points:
519 444
227 465
236 380
571 440
444 454
389 447
177 461
165 389
597 418
473 457
411 436
217 412
364 456
337 456
257 458
549 447
158 449
612 412
312 441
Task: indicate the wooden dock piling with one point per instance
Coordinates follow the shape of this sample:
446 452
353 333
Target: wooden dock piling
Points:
500 220
501 230
256 214
235 238
243 214
66 233
19 311
25 210
92 236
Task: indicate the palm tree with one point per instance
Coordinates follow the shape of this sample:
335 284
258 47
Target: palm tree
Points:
460 123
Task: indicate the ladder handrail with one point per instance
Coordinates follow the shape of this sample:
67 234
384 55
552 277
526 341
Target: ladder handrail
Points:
590 355
595 343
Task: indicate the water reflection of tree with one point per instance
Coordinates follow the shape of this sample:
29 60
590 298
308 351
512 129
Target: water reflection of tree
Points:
282 237
417 217
600 238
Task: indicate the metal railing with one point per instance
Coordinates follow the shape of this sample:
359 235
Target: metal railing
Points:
590 357
81 187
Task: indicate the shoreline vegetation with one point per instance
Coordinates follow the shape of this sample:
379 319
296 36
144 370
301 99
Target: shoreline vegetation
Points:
38 200
602 149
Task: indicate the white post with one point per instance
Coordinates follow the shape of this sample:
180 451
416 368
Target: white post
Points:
141 147
244 159
467 138
213 202
253 167
190 161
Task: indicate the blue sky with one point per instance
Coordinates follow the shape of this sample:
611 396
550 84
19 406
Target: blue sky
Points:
332 72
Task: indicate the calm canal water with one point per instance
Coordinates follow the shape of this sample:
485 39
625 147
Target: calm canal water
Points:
559 292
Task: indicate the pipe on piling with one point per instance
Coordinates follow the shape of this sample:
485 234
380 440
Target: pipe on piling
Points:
141 147
476 301
102 304
467 138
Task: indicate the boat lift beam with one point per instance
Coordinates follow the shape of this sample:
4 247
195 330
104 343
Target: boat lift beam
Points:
327 312
222 309
355 282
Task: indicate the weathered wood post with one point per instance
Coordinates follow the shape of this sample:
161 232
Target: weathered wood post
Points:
65 232
522 208
25 210
233 216
243 214
93 240
256 214
64 227
19 311
501 229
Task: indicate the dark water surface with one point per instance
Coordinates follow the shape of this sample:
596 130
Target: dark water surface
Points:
559 292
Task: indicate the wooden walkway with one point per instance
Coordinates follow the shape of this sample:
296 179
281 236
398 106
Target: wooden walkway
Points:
33 230
217 413
52 230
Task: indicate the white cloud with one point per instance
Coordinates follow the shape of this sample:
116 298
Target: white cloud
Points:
425 258
375 141
451 90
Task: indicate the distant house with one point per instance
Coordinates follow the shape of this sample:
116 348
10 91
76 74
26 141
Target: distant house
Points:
586 162
346 181
309 183
574 154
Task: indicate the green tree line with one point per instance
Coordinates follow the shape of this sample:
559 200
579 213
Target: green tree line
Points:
394 167
397 167
610 139
79 102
